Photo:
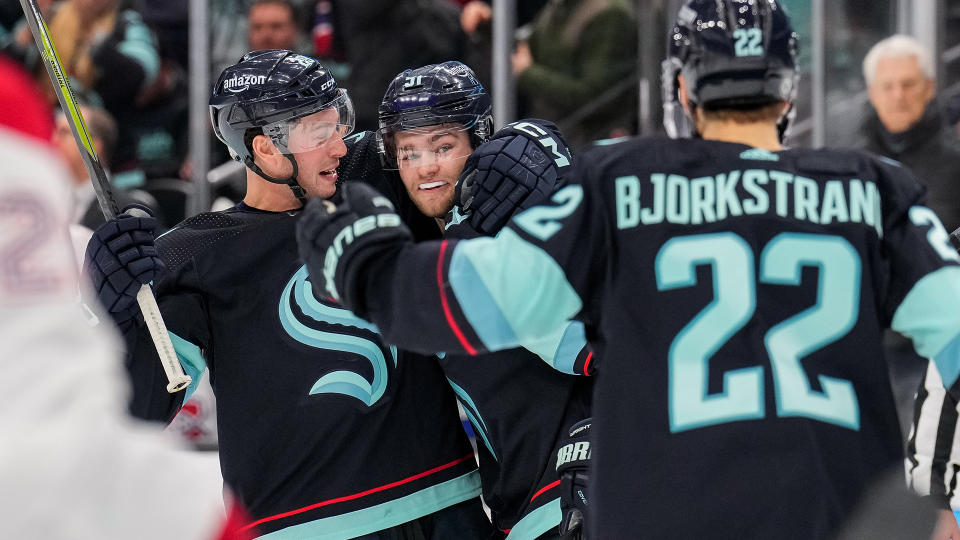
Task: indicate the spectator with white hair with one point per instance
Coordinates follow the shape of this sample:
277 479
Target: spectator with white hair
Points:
906 123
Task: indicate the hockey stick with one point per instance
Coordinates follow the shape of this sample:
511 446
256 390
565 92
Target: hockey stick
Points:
178 380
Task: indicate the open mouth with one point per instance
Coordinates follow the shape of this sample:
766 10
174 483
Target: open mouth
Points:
431 185
329 175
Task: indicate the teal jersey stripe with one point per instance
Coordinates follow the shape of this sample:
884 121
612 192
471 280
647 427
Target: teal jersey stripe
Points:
507 309
573 340
480 307
385 515
192 361
929 315
537 522
471 410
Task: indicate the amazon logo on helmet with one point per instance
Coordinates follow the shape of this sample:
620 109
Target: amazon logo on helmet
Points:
731 53
239 83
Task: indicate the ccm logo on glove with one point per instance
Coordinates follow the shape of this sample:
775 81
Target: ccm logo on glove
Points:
543 137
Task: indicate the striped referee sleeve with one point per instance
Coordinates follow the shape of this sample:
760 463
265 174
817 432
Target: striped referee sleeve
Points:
933 449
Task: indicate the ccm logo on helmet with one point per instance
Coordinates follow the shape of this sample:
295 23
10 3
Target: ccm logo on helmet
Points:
544 139
238 83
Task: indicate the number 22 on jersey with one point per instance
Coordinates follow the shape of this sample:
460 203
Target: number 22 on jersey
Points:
787 343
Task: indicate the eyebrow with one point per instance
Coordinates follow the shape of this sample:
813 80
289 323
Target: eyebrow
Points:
440 135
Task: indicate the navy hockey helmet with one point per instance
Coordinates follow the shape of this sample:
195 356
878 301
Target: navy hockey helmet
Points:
271 91
732 54
437 94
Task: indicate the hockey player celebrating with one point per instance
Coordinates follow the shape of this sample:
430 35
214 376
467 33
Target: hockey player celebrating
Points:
431 119
736 291
324 431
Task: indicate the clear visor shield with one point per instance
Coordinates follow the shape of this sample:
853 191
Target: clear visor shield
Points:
428 146
329 122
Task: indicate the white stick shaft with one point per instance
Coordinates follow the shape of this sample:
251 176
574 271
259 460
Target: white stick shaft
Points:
161 340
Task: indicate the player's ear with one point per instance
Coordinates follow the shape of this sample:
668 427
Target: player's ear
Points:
264 151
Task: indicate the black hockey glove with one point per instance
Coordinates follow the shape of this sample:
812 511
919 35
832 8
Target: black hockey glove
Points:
573 467
120 258
336 239
517 168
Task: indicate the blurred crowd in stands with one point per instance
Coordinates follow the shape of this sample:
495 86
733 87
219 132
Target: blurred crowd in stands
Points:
128 62
574 61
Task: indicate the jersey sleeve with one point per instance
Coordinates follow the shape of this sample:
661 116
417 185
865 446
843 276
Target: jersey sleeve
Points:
567 350
72 463
182 306
921 299
923 287
485 294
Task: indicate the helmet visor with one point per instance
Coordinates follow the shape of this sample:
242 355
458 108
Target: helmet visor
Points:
314 127
427 146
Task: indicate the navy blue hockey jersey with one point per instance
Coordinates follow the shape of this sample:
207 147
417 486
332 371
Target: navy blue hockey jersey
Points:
324 430
736 297
519 408
516 403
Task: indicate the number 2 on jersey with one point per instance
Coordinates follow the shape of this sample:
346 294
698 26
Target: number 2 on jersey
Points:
734 286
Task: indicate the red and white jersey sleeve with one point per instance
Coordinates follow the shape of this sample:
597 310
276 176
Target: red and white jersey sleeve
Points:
72 463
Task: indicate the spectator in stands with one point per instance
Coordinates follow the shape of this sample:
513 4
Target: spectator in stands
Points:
906 124
576 68
170 22
103 133
113 59
477 13
16 41
273 24
475 20
229 36
384 37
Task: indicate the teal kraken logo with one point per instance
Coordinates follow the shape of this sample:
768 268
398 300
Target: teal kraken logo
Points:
346 382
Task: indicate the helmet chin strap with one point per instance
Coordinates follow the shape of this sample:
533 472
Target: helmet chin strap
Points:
291 182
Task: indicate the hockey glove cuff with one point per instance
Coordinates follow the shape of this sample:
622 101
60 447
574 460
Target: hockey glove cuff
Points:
336 240
120 258
573 467
517 168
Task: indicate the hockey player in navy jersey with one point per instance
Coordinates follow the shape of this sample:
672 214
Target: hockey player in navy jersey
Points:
431 119
324 430
735 290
